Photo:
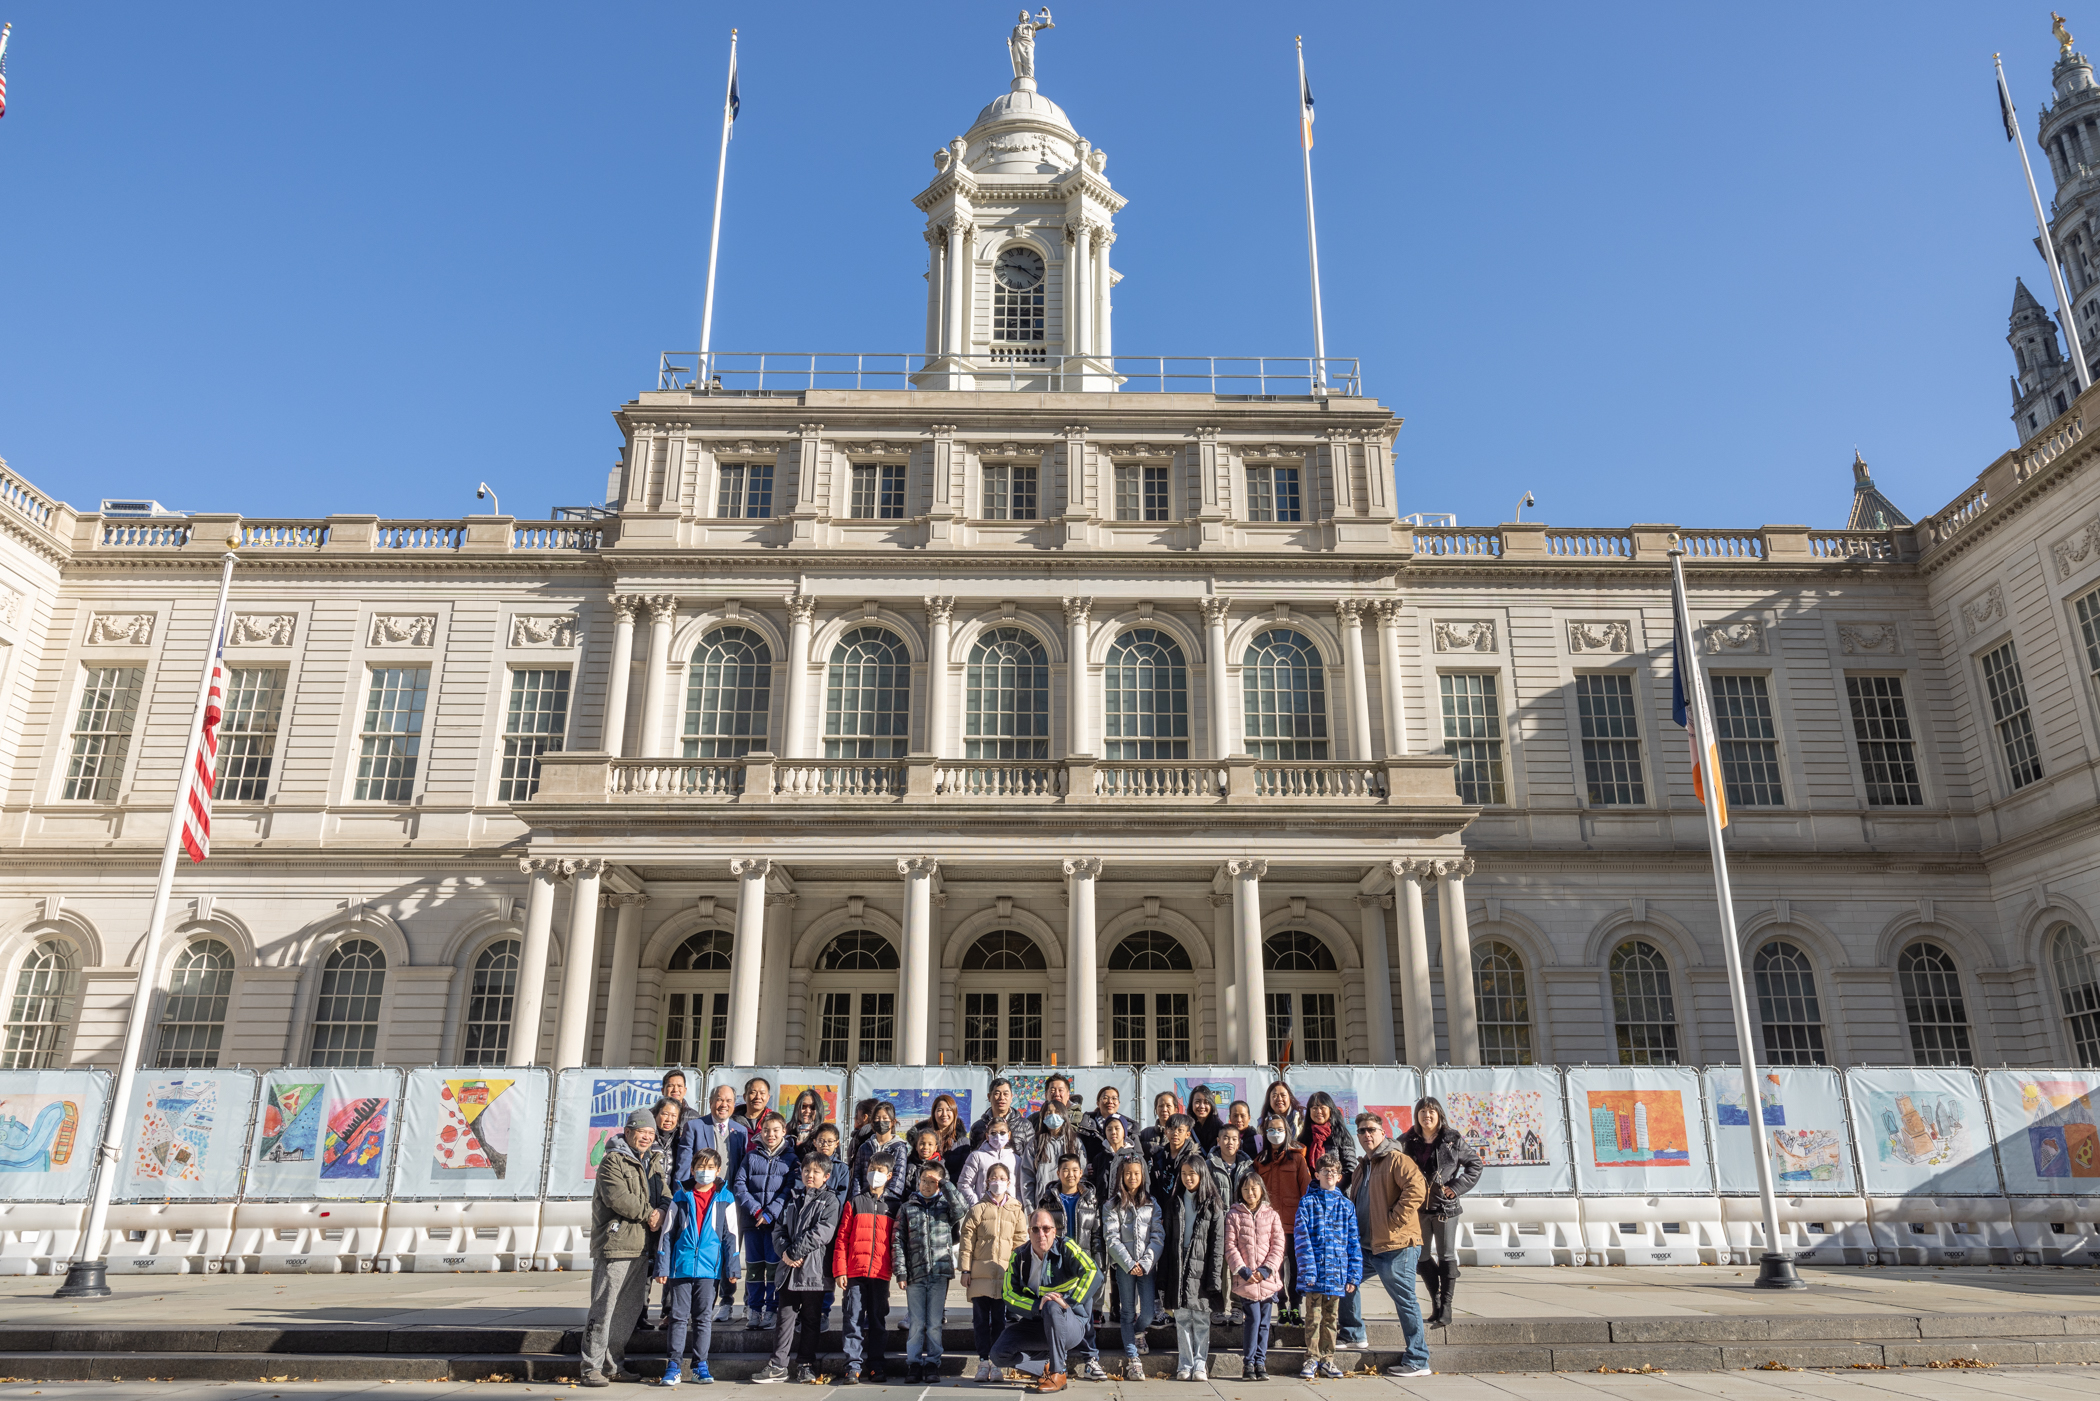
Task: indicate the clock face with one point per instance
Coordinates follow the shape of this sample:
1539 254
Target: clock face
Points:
1020 268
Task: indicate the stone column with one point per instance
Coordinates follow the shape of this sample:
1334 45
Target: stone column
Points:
1104 297
1078 612
1083 983
773 991
940 613
918 872
579 974
1246 916
619 988
1378 977
663 611
1224 959
529 1008
1417 1009
747 957
958 284
802 611
1078 287
1389 675
1349 613
620 672
1214 611
1461 1021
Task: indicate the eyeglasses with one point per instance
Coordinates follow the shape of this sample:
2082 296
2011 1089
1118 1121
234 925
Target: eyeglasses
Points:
1043 1230
1367 1131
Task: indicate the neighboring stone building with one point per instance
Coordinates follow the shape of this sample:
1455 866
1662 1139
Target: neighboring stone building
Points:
1021 699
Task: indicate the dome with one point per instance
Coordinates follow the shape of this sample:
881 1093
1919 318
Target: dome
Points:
1021 133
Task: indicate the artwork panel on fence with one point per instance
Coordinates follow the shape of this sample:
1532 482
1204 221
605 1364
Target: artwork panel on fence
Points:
828 1083
1389 1091
50 1124
1512 1117
1087 1083
1921 1131
2048 1137
323 1133
1639 1128
911 1090
1805 1131
591 1106
185 1135
1227 1083
471 1133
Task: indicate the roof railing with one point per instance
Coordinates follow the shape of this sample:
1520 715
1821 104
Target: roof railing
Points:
1017 368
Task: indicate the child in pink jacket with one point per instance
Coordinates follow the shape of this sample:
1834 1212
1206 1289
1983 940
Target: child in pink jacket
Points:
1254 1243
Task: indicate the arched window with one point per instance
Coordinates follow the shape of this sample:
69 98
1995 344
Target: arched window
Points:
1285 697
867 700
1006 697
42 1007
1788 1006
1502 1003
490 999
194 1018
1150 990
855 993
1303 992
696 1001
1145 698
1642 1008
1933 1007
2078 988
728 695
1002 994
346 1014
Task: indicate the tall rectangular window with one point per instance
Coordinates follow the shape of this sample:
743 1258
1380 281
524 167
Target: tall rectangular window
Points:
248 733
1170 1014
1748 742
981 1028
878 1027
1611 739
1272 493
537 720
1010 491
878 491
2009 715
2089 627
1306 1023
1156 503
1888 755
109 704
1141 492
392 734
1473 734
747 491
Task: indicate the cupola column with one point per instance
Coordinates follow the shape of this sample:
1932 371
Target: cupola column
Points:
1077 285
958 285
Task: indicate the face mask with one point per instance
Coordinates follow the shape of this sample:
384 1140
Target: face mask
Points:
705 1177
997 1189
877 1181
1275 1135
997 1140
1053 1122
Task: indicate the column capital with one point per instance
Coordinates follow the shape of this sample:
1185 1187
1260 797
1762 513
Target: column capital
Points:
552 867
1414 869
1349 612
1388 610
1083 867
939 610
663 607
1457 869
910 867
584 867
1374 902
1251 868
615 900
1078 610
781 897
1220 901
624 606
802 608
1215 610
750 868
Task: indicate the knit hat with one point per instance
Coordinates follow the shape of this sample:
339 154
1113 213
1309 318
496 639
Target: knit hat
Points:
641 1119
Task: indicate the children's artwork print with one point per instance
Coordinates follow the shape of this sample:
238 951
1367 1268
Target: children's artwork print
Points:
1639 1128
354 1146
38 1133
827 1097
2060 1130
1398 1118
174 1132
1918 1128
1730 1112
291 1123
1507 1128
475 1122
611 1102
1029 1091
914 1104
1223 1090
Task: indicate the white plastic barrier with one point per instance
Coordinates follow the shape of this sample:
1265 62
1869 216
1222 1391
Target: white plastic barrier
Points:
36 1235
174 1238
1652 1230
2049 1232
1529 1231
314 1238
478 1237
1943 1230
565 1236
1818 1230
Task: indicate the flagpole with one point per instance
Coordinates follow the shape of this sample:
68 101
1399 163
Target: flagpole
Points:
1312 233
86 1276
2056 274
714 238
1776 1270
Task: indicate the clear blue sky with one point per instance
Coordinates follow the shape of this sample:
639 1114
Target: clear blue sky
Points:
1652 262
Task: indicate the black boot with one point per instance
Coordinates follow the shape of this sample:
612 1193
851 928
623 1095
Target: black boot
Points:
1446 1288
1432 1274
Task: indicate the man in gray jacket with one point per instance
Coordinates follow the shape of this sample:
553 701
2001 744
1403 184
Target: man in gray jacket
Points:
623 1213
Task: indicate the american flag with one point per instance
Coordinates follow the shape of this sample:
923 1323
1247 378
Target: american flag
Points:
5 30
196 817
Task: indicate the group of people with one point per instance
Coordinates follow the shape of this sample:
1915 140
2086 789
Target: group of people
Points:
1059 1222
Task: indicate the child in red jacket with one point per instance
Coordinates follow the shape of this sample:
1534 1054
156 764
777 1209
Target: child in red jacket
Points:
861 1260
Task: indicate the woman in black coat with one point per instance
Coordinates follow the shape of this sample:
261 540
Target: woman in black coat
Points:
1450 1167
1191 1271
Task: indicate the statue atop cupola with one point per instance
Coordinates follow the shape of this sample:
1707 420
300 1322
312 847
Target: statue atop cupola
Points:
1020 46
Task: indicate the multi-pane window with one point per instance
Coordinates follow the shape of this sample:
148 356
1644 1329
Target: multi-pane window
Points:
42 1008
1144 698
194 1018
856 1026
1006 697
1643 1011
1473 734
867 698
1611 739
1141 492
1018 299
696 1016
2009 716
1272 493
534 725
248 733
1888 754
746 491
2089 628
1149 1027
728 695
1787 1005
1502 1002
1020 1042
346 1014
878 491
2078 989
1302 1026
1749 743
1010 491
392 734
109 703
1284 693
491 997
1933 1007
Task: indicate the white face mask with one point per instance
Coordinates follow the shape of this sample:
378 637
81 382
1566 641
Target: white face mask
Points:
705 1177
877 1181
997 1140
1053 1122
997 1189
1275 1135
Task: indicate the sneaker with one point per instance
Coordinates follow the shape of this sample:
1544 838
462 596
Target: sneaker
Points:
771 1372
986 1372
1144 1344
1181 1373
1329 1369
852 1377
702 1375
592 1379
1133 1370
1199 1373
625 1374
1401 1369
1092 1371
1310 1370
1261 1372
672 1375
805 1375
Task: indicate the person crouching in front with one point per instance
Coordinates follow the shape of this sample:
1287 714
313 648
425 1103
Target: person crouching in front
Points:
861 1257
696 1260
802 1239
1047 1288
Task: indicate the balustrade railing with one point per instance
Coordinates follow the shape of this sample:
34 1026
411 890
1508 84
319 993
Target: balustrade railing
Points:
145 534
682 778
759 373
1141 780
2041 454
555 535
1001 781
1722 544
418 535
283 535
1590 544
840 779
1462 540
1301 780
20 496
1852 544
1238 780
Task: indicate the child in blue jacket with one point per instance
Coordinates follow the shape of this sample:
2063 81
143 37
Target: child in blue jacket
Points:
696 1258
1330 1263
